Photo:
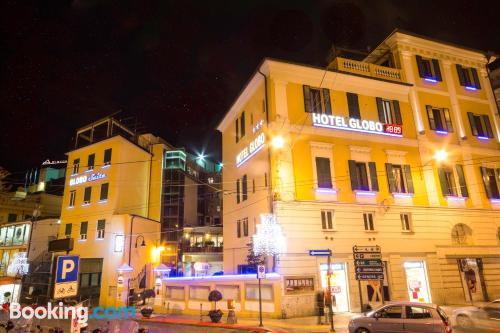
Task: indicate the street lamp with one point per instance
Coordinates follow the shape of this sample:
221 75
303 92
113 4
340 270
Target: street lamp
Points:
278 142
441 155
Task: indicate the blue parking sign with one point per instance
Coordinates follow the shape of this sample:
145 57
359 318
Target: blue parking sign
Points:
67 269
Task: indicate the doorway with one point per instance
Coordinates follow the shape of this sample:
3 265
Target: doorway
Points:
338 283
417 281
472 279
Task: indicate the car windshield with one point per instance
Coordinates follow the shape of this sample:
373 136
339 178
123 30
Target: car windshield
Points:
371 312
442 314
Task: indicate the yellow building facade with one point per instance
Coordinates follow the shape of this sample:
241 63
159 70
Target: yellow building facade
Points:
400 150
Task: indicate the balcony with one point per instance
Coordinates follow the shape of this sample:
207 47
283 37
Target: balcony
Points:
203 249
366 69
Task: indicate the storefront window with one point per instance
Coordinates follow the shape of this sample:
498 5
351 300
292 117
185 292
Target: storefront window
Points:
229 292
174 293
18 235
3 234
199 292
417 282
299 285
10 235
252 292
338 283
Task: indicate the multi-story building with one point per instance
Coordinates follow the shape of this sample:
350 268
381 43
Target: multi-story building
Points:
400 150
127 198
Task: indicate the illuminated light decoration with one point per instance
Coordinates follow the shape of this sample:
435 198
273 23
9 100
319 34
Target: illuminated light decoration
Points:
495 201
102 201
440 155
483 138
201 266
402 195
158 282
49 162
454 198
258 126
86 178
253 148
278 142
470 88
85 204
269 238
430 79
162 268
366 193
442 132
393 129
354 124
106 166
222 277
326 190
120 280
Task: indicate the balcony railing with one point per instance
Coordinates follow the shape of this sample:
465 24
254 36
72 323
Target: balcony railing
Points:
366 69
203 249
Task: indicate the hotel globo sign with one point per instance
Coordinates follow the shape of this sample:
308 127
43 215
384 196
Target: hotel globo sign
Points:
86 178
356 125
251 149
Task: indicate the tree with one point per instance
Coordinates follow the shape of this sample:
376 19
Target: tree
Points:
252 259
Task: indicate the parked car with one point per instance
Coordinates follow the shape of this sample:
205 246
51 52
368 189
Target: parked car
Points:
478 318
402 317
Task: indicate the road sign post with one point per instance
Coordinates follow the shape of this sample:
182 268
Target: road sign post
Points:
261 274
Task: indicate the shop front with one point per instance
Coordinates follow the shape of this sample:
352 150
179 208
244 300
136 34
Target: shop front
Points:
338 284
471 274
417 281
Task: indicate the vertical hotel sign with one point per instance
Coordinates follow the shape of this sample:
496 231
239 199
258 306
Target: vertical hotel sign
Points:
253 148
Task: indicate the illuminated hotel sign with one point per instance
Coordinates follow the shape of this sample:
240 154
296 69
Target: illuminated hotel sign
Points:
356 125
86 178
251 149
49 162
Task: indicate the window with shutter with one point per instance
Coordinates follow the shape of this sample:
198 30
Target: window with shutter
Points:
405 222
323 172
353 105
87 194
327 219
491 184
238 229
244 188
361 176
448 184
238 191
428 69
90 162
83 230
67 230
480 125
101 225
107 156
468 77
373 176
439 119
104 192
461 181
317 100
76 166
368 219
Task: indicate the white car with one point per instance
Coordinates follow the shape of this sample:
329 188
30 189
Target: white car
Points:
473 318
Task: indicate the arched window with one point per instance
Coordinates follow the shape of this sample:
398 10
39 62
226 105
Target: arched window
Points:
461 234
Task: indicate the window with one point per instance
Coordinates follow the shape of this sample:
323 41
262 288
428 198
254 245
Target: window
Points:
461 234
174 293
480 125
252 292
240 127
429 69
229 292
104 191
67 230
238 191
107 157
368 221
417 312
119 243
323 172
327 219
399 178
87 194
238 229
393 312
353 106
199 292
491 181
90 162
245 227
72 197
317 100
449 184
12 217
363 176
468 77
101 225
76 166
405 221
244 191
439 119
388 111
83 230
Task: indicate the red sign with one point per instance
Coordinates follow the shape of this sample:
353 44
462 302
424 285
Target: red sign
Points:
336 289
393 129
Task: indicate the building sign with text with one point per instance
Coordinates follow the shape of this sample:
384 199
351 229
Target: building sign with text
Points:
253 148
356 125
86 178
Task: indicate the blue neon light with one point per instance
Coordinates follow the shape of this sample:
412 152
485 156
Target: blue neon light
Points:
357 130
250 156
495 201
483 138
366 193
220 277
453 198
442 132
326 190
429 79
402 195
470 88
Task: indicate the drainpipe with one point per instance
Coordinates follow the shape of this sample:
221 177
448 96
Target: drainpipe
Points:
130 257
266 102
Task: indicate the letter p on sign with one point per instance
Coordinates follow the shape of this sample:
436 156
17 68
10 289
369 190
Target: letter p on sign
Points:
67 267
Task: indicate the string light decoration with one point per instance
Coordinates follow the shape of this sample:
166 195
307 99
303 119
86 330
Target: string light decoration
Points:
268 239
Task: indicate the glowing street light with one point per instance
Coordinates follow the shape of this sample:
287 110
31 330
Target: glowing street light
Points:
278 142
440 155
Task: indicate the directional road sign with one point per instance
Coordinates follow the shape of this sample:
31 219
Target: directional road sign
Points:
369 276
320 253
66 277
367 262
369 270
367 256
364 249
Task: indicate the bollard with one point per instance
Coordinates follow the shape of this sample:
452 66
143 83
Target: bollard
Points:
231 314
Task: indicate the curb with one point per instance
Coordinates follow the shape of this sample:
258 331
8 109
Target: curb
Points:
189 322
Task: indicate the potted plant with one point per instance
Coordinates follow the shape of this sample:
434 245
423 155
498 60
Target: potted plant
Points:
6 296
216 314
146 311
209 243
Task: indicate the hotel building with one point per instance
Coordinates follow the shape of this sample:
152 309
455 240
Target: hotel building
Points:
127 199
400 150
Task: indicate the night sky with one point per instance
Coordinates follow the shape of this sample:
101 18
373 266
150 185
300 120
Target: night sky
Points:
176 66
